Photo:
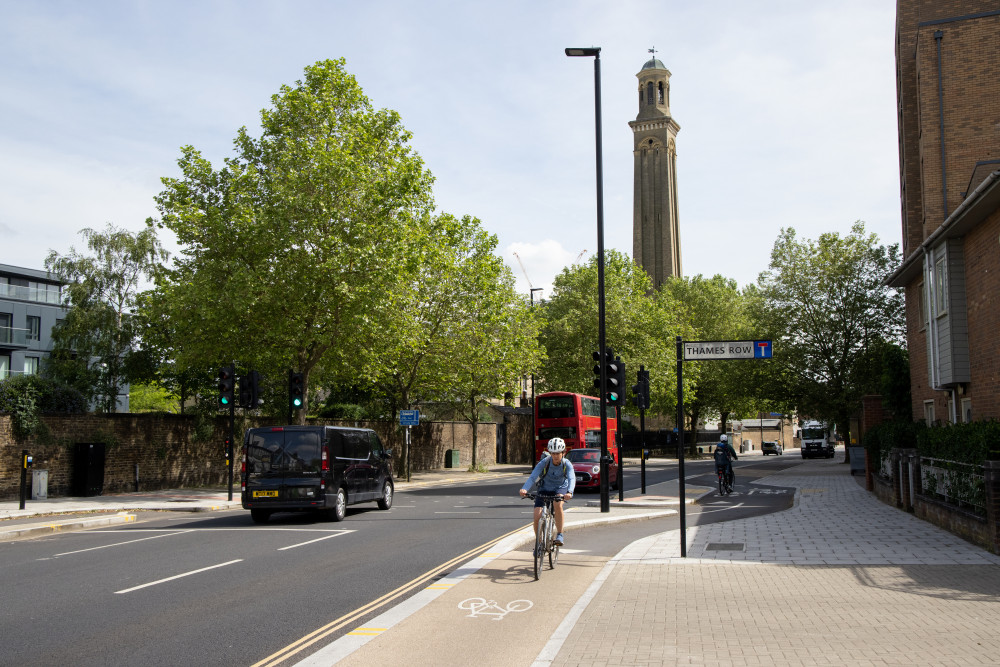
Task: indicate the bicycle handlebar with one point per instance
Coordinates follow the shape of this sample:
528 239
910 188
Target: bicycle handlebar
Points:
554 496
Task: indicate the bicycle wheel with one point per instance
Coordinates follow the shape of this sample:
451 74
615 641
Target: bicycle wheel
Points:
553 547
539 548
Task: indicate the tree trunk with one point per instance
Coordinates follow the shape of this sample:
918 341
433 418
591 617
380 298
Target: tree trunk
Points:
475 431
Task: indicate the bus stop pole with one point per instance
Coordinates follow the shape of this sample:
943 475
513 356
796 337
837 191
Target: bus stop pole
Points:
680 443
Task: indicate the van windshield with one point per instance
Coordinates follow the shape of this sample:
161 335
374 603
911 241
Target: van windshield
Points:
283 451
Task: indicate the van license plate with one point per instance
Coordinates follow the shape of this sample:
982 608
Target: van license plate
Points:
265 494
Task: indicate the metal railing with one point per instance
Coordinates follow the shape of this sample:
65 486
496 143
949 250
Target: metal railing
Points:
12 336
959 484
31 293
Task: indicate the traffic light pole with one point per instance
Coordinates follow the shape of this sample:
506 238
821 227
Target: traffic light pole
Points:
230 448
621 459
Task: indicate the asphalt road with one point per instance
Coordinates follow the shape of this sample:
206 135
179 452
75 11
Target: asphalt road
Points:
217 589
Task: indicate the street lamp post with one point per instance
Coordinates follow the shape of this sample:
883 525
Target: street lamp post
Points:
595 51
533 436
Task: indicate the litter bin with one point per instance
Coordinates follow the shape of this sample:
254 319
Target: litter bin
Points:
88 469
39 484
451 458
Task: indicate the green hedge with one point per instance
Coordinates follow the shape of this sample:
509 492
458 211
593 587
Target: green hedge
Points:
50 397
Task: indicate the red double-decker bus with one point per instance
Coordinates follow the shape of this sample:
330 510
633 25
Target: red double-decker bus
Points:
573 417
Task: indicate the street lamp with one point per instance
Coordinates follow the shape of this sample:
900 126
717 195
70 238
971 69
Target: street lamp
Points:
595 51
533 436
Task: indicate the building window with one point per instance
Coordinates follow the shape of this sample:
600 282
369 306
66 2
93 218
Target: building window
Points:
929 413
4 366
940 287
659 87
34 327
31 365
649 93
922 305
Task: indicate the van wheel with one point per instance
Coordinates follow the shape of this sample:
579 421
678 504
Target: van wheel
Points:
385 502
339 509
260 516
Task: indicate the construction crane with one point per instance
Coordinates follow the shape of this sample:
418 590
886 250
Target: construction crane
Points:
582 253
523 270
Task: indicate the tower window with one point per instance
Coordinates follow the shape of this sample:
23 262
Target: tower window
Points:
649 93
660 87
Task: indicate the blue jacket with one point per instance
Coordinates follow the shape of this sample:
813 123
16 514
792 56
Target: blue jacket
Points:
558 478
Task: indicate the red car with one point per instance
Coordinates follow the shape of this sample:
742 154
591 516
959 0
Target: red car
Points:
587 464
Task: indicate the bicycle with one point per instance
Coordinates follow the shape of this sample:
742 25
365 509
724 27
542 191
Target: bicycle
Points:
546 536
727 478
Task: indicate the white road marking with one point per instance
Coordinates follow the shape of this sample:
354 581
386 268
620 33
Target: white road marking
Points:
318 539
118 544
458 512
178 576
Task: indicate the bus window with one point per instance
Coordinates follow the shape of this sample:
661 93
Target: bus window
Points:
556 407
564 432
591 406
592 439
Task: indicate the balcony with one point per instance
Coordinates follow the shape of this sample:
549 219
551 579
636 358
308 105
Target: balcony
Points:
52 295
11 337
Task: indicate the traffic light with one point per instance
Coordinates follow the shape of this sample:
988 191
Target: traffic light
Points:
597 374
244 384
616 382
296 390
255 400
641 390
226 380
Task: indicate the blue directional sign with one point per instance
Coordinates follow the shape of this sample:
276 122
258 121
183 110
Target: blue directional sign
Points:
762 349
409 417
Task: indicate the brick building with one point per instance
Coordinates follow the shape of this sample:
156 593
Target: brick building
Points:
948 88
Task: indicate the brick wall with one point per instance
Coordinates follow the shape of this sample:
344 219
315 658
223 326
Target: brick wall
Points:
969 81
161 445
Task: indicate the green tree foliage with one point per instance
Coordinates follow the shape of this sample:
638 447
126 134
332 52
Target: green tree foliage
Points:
95 346
641 326
151 397
297 252
460 314
826 304
718 310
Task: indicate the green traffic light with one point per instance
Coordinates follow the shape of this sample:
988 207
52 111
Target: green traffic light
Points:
297 402
224 400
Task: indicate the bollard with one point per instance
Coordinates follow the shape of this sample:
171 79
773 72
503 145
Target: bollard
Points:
25 464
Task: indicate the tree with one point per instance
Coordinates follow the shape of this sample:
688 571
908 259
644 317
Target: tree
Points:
459 282
494 344
640 325
827 299
294 253
94 347
718 310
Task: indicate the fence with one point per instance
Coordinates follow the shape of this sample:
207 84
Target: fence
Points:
962 498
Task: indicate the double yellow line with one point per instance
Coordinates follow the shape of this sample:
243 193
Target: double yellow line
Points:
352 617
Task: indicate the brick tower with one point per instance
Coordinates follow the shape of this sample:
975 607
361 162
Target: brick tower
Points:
656 239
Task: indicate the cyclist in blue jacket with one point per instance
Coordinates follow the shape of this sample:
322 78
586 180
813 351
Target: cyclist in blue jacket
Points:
554 474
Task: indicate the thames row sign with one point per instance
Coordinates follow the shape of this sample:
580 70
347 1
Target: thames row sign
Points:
698 350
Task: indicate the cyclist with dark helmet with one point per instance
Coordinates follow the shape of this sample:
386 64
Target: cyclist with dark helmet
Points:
724 455
554 474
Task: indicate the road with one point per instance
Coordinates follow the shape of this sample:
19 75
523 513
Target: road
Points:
217 589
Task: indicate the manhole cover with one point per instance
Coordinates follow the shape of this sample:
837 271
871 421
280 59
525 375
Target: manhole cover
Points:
725 546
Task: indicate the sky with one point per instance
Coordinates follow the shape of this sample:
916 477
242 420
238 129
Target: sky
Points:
786 109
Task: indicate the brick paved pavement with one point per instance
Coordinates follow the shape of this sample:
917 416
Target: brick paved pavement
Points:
839 579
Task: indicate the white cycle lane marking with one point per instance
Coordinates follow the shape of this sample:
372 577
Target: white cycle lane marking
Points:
484 607
178 576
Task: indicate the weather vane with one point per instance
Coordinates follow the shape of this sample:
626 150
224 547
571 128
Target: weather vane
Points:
653 51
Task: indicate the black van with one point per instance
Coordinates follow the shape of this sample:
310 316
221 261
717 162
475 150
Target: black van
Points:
319 468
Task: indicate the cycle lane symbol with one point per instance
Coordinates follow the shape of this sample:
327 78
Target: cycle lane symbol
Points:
483 607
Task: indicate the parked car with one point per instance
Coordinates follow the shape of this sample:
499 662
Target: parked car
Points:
314 468
587 464
770 447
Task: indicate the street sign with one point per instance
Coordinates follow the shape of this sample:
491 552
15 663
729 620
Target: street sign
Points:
699 350
409 417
